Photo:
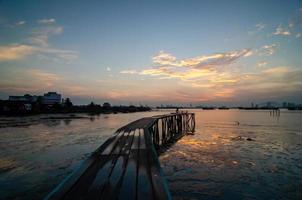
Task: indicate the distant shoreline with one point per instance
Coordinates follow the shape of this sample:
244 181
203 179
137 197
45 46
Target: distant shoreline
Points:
228 108
92 110
124 109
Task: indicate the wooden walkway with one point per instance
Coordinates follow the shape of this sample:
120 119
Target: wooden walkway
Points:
126 166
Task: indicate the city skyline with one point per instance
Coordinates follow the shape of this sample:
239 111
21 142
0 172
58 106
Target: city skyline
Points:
159 52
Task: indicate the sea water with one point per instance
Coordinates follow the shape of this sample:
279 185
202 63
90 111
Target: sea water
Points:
234 154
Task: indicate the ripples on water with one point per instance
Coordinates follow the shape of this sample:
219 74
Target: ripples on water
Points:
218 162
261 158
38 152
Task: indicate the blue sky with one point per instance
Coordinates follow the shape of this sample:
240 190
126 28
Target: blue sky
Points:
153 52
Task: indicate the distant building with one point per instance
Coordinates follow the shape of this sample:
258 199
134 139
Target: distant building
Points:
17 98
51 98
25 98
17 105
106 105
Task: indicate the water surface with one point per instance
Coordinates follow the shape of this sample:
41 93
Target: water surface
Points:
238 155
38 152
233 155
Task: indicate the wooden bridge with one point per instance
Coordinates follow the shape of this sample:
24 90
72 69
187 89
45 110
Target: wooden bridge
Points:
126 166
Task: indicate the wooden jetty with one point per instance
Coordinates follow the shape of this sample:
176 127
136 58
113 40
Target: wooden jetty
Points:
126 166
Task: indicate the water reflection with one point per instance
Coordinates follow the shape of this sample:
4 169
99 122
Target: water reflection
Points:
67 121
257 159
38 152
218 162
48 120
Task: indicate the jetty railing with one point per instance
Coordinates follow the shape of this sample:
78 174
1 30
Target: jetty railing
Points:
167 128
126 166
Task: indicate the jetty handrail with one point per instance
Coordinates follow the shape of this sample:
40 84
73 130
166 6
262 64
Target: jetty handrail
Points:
166 128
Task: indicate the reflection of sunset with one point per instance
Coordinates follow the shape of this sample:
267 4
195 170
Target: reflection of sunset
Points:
6 164
219 158
192 149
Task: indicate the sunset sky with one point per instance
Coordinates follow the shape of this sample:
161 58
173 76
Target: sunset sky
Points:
153 52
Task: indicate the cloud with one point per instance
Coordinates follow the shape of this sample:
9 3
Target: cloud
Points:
267 77
261 64
108 69
295 20
20 23
14 24
47 21
260 26
267 50
185 75
43 76
39 45
29 80
281 31
217 76
201 71
55 54
41 35
276 70
270 82
35 80
257 28
163 58
293 26
40 41
68 56
129 72
15 52
298 35
166 59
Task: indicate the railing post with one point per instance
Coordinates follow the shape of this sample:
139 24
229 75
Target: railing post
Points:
157 133
163 127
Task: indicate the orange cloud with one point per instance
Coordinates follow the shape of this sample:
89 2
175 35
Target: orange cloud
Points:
206 78
166 59
15 52
163 58
201 71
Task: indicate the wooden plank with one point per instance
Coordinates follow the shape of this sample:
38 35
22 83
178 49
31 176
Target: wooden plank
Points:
129 185
144 182
103 172
109 148
95 189
115 179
